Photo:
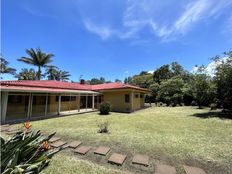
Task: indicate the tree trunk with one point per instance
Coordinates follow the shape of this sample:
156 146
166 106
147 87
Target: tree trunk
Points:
39 73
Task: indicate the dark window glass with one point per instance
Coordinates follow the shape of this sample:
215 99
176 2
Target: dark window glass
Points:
127 98
66 98
136 96
15 99
141 96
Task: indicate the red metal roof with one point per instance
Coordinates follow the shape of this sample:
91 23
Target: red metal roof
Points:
52 85
47 84
112 86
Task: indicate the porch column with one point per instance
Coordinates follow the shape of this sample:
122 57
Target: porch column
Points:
79 101
86 102
93 101
59 104
30 106
132 101
4 106
46 105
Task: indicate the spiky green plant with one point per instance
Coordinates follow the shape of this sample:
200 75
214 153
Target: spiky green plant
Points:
27 152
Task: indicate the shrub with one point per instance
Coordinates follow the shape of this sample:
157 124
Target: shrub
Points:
26 152
172 104
194 103
213 106
105 108
103 127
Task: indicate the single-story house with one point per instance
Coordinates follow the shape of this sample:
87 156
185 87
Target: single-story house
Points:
28 100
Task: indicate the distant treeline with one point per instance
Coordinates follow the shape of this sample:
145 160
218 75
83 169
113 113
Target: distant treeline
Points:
173 85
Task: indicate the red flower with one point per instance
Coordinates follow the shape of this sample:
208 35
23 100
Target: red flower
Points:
45 145
27 125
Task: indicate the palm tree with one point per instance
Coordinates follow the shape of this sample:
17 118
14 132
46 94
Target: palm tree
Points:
63 75
4 67
27 74
51 72
37 58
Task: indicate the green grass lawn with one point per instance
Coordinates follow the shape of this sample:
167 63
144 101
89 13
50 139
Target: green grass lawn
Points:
168 135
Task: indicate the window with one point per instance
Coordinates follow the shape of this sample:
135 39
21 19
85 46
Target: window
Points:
136 96
127 98
15 99
141 96
66 98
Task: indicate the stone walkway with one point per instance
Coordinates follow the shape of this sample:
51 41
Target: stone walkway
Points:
114 158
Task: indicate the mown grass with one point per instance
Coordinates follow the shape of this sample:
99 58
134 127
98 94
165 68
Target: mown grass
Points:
168 135
66 164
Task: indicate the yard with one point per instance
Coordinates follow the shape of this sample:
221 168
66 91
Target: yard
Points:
173 136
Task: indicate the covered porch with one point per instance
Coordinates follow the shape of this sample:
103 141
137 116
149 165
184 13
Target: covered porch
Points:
32 105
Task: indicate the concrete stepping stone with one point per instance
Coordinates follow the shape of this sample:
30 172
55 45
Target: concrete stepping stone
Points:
11 132
82 150
141 160
117 158
74 144
193 170
58 144
5 125
5 128
165 169
102 150
53 139
12 129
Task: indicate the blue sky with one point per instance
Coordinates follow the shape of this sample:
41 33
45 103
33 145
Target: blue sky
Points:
116 38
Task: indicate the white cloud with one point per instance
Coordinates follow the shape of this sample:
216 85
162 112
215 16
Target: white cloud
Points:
151 71
126 72
150 14
103 31
211 67
192 14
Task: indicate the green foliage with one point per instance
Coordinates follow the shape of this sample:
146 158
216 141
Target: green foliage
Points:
25 153
128 80
27 74
154 92
162 73
105 108
223 80
37 58
171 92
4 68
213 106
95 81
142 80
201 86
103 127
54 73
118 81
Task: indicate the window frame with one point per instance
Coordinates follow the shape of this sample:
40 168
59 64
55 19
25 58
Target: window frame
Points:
127 98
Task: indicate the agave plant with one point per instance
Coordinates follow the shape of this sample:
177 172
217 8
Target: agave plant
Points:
27 152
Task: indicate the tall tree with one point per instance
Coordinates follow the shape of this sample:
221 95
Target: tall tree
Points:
27 74
128 80
37 58
162 73
170 91
51 72
223 79
200 86
118 81
142 80
95 81
4 68
177 69
62 75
